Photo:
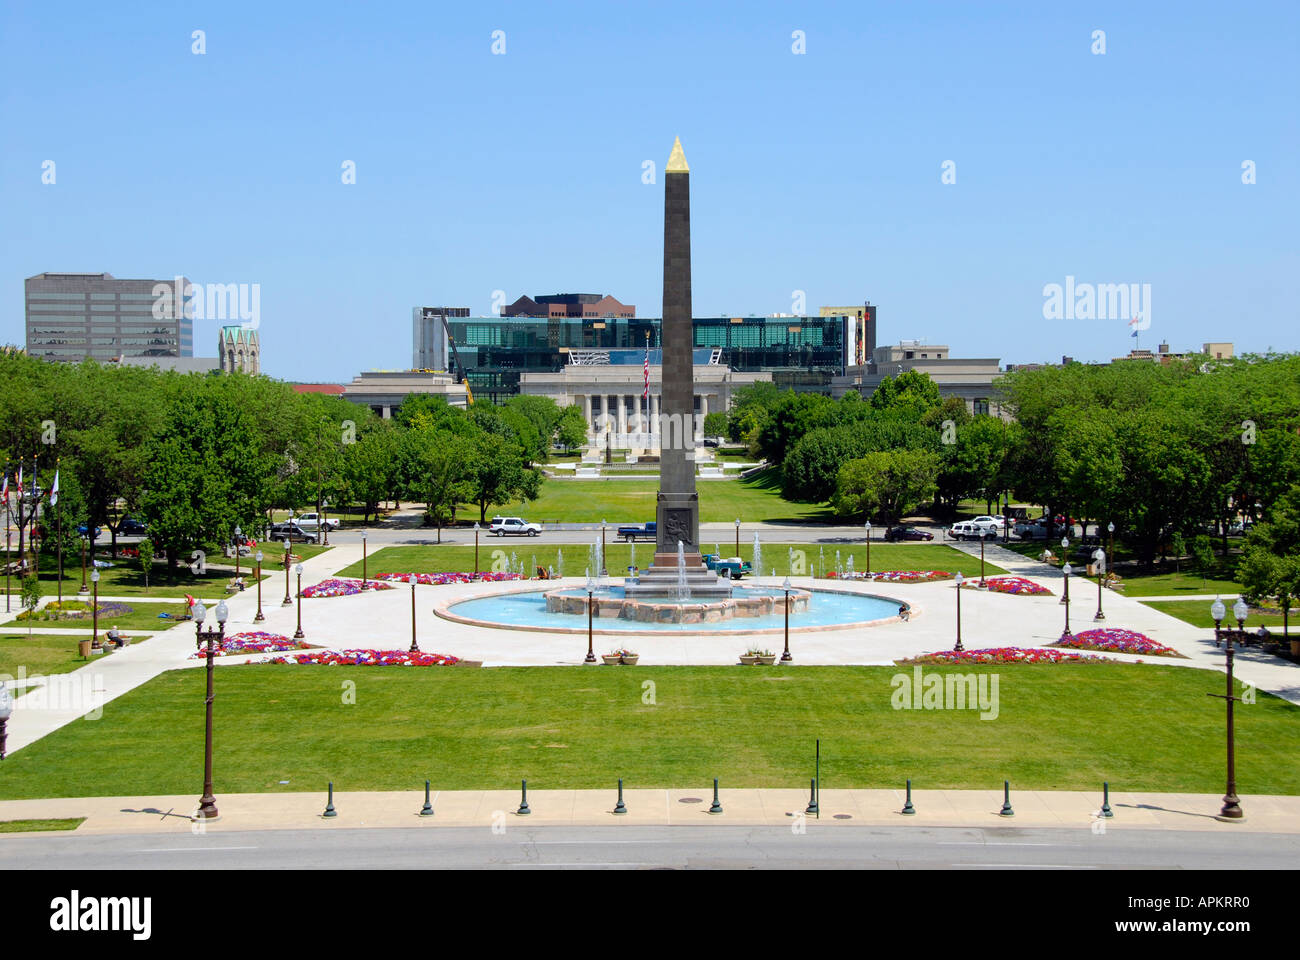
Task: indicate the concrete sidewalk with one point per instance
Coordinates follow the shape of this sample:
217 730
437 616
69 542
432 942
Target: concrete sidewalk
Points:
486 808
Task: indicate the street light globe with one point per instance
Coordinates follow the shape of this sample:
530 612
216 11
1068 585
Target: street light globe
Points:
1217 610
476 528
238 532
298 569
1110 527
411 579
1067 570
286 544
737 522
363 534
959 578
258 557
1240 610
198 611
786 585
94 576
223 613
1065 543
6 701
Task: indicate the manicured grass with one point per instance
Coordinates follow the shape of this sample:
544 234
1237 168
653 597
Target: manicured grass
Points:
633 501
1197 613
1142 727
44 653
31 826
1139 583
495 553
143 616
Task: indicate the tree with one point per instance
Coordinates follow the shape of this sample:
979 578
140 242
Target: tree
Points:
715 424
1270 565
499 473
1203 555
438 466
30 598
571 429
886 485
146 559
911 392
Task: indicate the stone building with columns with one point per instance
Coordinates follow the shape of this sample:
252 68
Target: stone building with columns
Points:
610 393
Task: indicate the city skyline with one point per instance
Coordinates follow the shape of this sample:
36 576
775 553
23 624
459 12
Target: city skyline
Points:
821 172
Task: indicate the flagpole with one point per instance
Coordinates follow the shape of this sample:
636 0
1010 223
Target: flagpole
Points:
6 482
58 523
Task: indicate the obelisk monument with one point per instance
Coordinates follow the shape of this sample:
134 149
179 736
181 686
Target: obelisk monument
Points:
678 513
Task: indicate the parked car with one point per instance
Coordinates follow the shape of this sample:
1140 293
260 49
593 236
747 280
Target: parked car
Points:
311 522
288 530
514 526
133 527
907 533
1031 530
969 530
644 531
990 525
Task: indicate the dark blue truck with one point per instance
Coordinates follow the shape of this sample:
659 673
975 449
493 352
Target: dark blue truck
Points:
645 531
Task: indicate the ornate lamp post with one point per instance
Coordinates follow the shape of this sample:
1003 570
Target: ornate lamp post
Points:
867 525
603 568
239 535
208 803
959 648
365 580
6 709
324 506
982 584
591 654
259 618
1067 570
1231 803
415 647
476 529
298 634
785 657
737 537
1110 528
1006 519
84 589
1065 553
1100 557
94 611
287 602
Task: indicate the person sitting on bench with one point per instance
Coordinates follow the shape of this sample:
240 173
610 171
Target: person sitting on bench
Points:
116 638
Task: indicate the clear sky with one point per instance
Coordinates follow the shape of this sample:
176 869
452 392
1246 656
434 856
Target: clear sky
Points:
522 172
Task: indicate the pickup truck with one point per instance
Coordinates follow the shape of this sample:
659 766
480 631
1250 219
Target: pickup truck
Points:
645 531
735 567
310 522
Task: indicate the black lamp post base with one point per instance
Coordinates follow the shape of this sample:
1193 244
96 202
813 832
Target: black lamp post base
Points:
299 635
1099 616
84 590
589 658
259 618
286 602
207 810
1231 811
786 658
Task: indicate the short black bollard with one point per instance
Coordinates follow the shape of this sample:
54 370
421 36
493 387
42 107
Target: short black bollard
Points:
1105 800
812 796
329 806
907 807
427 809
620 807
1006 810
523 810
717 807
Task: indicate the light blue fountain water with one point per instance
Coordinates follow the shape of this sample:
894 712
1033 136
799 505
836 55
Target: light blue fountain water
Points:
529 610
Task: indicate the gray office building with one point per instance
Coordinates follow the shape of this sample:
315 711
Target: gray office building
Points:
429 336
71 316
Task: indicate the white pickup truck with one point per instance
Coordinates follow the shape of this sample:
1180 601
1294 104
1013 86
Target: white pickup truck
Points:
310 522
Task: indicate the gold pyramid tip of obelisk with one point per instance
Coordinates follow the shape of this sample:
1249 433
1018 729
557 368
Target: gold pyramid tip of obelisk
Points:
677 159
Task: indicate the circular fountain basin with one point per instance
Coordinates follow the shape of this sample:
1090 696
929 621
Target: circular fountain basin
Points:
532 610
614 602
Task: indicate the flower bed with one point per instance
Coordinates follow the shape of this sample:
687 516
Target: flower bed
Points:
1017 585
76 610
1117 640
369 658
444 577
896 576
254 641
1006 655
337 587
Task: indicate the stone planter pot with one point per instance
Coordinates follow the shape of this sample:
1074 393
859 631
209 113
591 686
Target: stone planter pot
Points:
631 661
767 661
747 660
611 659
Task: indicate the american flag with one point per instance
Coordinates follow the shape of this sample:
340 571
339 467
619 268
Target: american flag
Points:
645 368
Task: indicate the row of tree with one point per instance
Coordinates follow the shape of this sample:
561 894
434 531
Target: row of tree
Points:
196 456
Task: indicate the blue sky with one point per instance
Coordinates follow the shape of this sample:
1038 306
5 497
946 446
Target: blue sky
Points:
522 172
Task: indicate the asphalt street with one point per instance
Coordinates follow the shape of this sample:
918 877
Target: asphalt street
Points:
632 848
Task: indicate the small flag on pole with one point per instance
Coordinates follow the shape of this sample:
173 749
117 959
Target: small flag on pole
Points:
54 491
645 367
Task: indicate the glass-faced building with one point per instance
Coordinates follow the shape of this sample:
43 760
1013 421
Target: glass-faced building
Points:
805 353
71 316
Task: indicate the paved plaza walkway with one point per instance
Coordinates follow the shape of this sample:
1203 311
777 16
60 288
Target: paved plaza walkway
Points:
488 808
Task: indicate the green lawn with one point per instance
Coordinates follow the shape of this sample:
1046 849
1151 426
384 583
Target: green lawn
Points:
1142 727
633 501
30 826
1197 613
1139 583
44 653
821 557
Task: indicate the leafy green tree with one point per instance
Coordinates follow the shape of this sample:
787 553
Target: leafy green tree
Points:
146 559
439 470
30 598
715 424
499 474
886 485
571 429
1270 564
911 393
1203 555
